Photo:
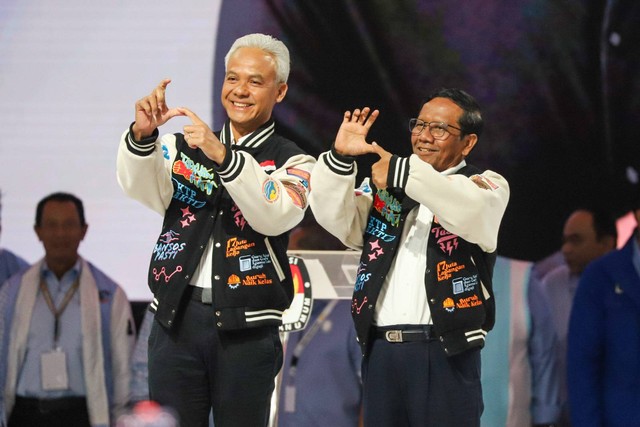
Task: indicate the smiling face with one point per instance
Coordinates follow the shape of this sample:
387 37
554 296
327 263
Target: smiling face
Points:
446 153
250 89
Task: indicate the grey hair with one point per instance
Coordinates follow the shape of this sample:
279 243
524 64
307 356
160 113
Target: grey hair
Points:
269 44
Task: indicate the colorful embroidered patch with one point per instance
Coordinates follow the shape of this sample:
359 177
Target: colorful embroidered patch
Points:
468 302
233 281
483 182
445 269
302 175
270 190
448 305
235 246
297 193
268 165
364 188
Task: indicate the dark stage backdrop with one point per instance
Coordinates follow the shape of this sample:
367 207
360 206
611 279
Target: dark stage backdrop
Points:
558 82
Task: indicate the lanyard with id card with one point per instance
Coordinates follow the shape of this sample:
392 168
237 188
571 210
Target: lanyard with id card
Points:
53 364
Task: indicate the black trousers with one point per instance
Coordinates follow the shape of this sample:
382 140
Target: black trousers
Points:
416 384
63 412
194 368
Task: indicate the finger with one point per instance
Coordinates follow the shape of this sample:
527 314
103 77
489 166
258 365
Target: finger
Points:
377 149
144 105
371 118
193 116
363 114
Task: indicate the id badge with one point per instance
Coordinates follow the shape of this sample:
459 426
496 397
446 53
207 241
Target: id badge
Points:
53 369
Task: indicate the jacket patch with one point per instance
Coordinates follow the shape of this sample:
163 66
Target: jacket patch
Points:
253 262
270 190
448 242
375 250
364 188
235 246
168 246
297 193
377 228
302 175
187 217
449 305
445 269
483 182
464 284
468 302
388 206
268 165
257 280
362 277
238 218
184 194
163 272
233 281
197 174
357 307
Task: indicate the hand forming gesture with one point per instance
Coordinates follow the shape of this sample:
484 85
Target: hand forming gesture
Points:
350 140
152 112
199 135
380 169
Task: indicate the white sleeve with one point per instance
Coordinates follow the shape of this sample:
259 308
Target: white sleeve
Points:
144 170
471 207
337 206
271 203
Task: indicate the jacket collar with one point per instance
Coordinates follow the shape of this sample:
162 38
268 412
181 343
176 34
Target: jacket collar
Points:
253 140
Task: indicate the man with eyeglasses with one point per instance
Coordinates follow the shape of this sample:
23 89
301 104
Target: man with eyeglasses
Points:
427 226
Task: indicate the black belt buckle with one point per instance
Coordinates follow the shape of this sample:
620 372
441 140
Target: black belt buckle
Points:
394 335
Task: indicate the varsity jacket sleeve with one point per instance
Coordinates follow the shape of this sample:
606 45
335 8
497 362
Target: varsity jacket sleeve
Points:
271 203
122 341
144 169
471 207
336 206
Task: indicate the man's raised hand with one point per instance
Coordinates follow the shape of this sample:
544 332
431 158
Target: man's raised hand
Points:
351 137
152 112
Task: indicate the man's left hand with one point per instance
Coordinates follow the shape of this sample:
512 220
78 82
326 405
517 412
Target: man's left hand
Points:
199 135
380 169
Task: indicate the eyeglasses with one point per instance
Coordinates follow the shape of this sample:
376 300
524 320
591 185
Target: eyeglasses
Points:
437 129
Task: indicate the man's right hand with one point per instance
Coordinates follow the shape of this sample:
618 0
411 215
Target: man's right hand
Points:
350 140
152 112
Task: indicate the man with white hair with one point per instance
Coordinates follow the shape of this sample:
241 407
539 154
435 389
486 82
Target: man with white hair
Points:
219 271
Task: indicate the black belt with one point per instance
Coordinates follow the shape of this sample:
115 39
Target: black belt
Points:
410 334
51 405
203 295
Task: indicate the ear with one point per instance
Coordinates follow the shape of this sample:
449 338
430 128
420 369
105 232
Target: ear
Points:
282 91
469 142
